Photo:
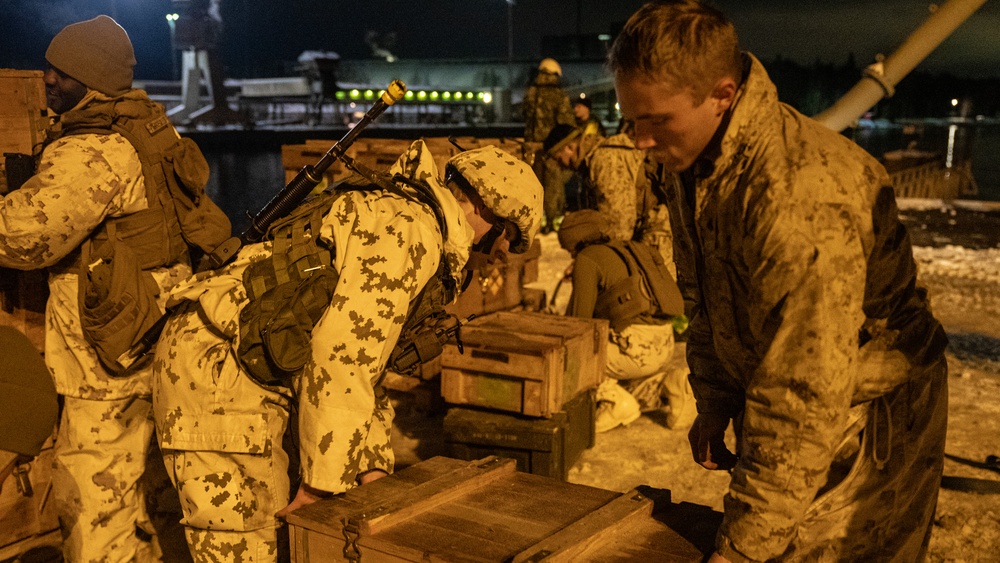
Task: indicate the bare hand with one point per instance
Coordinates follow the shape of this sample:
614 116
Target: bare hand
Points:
708 446
306 495
716 558
369 476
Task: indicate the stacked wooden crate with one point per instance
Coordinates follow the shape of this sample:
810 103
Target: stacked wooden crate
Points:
523 385
23 119
25 521
444 509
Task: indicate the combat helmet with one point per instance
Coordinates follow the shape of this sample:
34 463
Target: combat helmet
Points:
550 66
506 185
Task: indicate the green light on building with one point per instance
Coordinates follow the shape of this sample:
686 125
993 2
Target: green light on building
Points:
421 95
355 94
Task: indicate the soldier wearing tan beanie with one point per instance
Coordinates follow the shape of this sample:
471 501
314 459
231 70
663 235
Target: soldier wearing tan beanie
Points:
91 182
95 52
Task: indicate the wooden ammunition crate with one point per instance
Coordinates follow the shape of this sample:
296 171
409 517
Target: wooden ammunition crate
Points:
23 118
444 509
499 286
29 522
23 114
524 362
542 446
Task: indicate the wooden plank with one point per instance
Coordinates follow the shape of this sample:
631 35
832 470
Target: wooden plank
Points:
380 502
433 493
567 544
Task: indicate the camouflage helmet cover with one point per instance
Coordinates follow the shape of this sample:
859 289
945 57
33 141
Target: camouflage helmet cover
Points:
507 186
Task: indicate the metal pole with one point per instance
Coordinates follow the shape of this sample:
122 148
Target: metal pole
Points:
881 78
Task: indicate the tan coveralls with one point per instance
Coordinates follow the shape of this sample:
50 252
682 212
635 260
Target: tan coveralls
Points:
221 433
809 329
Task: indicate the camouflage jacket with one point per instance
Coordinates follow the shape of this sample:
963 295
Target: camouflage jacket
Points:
387 249
803 297
618 179
81 180
545 105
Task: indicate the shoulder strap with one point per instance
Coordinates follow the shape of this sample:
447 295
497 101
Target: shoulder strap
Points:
662 287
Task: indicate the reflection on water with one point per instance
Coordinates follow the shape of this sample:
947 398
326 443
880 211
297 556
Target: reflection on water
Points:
956 143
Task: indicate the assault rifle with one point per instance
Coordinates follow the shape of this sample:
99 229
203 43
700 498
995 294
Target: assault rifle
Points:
428 344
280 205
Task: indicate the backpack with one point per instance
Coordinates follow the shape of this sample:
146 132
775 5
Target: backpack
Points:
289 292
649 290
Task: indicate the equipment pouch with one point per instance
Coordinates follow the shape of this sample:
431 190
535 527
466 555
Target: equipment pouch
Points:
117 303
202 223
276 328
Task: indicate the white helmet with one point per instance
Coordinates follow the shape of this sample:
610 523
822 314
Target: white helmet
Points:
550 66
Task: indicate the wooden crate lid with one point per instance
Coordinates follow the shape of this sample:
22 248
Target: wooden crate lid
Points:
447 510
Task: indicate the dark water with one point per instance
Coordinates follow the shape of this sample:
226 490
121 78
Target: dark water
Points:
247 170
978 142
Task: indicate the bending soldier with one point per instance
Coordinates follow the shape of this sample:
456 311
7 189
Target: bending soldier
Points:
359 259
568 148
627 283
808 329
104 212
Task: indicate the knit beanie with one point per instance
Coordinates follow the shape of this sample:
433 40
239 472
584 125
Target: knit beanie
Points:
28 406
95 52
583 228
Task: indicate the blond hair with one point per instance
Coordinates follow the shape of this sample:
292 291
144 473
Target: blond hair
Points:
684 43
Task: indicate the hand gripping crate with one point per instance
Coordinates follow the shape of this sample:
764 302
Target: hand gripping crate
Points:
542 446
444 509
524 362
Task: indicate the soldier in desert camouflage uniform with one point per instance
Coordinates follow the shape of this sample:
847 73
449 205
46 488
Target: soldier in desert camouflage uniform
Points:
621 178
808 328
545 106
88 177
221 433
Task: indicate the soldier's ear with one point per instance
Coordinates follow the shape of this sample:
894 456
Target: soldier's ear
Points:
723 94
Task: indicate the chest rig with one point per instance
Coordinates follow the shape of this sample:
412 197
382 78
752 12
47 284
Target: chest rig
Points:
290 291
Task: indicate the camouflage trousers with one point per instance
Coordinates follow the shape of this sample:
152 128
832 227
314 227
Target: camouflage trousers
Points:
879 505
100 456
221 438
554 196
644 360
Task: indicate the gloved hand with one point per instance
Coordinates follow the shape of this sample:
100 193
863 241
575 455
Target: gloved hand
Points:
707 439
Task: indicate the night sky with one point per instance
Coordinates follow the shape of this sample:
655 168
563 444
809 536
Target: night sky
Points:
263 37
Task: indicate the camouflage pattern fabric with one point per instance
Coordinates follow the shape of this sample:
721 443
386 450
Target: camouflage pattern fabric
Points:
616 174
81 180
545 104
800 251
220 432
104 441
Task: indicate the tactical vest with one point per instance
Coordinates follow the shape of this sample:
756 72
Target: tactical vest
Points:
179 214
117 294
290 291
649 293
